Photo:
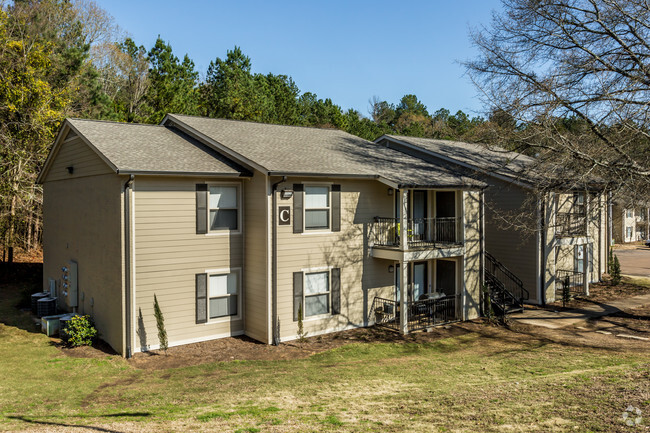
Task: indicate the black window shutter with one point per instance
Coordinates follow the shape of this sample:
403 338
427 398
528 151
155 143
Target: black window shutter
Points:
201 298
298 196
297 295
336 208
201 208
336 291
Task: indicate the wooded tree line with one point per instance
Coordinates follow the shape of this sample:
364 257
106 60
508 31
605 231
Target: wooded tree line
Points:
565 81
69 59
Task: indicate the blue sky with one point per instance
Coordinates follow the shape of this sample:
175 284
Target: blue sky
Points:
348 51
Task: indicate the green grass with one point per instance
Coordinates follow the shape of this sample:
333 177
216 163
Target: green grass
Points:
468 383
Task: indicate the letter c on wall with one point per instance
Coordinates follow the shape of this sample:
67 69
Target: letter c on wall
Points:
284 215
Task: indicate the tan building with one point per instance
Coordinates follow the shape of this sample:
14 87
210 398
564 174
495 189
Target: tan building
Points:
542 242
630 223
245 228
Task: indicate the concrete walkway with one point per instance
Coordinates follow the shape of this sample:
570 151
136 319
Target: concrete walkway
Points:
560 319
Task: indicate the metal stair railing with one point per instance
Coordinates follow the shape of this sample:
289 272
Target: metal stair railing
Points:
510 282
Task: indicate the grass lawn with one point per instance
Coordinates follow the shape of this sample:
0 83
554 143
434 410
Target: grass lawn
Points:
493 381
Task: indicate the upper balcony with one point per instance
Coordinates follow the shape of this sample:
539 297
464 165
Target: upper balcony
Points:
421 233
426 224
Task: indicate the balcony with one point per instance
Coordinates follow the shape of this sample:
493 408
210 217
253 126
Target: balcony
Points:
421 314
569 284
422 233
569 224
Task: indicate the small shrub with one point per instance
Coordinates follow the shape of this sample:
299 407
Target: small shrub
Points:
160 323
301 330
616 271
610 262
80 331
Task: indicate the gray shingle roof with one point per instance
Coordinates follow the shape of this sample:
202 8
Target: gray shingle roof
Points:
134 148
490 159
283 149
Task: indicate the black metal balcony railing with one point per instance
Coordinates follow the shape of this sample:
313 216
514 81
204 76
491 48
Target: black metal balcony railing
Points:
421 314
421 232
569 284
570 224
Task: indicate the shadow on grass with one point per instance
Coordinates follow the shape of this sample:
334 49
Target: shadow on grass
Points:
72 426
17 282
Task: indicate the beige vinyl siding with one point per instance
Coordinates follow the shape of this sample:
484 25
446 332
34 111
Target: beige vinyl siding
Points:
168 255
256 222
516 249
75 153
472 260
362 277
82 221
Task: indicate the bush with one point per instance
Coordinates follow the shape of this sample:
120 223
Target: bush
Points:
80 331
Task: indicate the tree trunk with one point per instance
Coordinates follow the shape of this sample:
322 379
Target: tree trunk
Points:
30 232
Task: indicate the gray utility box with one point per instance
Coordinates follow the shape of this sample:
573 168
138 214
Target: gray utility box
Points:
50 325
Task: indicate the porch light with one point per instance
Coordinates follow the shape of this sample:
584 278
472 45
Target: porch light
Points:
286 194
390 191
391 269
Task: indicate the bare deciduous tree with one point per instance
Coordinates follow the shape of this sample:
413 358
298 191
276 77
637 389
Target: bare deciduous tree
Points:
575 74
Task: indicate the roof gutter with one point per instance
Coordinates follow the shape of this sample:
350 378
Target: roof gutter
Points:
183 173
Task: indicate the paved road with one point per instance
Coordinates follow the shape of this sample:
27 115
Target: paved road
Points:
635 261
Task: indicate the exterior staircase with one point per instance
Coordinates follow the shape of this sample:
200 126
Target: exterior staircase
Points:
506 290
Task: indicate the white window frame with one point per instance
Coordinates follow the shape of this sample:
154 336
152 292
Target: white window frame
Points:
306 272
225 271
239 209
328 229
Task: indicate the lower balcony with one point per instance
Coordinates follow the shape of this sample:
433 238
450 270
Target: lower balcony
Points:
421 314
569 284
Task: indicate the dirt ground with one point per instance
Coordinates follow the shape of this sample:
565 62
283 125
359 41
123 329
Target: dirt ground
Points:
603 332
624 331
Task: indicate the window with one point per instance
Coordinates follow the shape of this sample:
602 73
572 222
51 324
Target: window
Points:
580 258
317 207
629 213
223 295
628 233
223 207
317 293
579 202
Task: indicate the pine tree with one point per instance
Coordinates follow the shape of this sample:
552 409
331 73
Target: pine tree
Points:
616 271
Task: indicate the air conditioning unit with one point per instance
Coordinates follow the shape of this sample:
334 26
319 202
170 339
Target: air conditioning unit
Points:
46 307
35 297
69 288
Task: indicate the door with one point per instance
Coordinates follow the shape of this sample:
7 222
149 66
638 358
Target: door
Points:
419 279
419 213
446 276
445 213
